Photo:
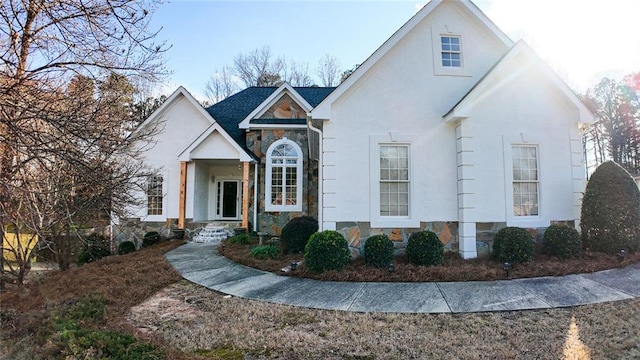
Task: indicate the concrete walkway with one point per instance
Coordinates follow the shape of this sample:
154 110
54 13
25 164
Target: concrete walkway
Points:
201 264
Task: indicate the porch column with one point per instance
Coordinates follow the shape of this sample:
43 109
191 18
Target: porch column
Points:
182 204
245 195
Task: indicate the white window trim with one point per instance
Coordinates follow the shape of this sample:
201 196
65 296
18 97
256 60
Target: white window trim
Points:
378 221
220 180
539 220
165 186
269 167
537 181
436 47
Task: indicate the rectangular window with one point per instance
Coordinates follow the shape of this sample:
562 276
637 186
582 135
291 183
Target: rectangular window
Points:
525 180
451 51
394 180
154 195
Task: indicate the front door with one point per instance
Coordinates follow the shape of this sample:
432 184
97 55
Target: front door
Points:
228 199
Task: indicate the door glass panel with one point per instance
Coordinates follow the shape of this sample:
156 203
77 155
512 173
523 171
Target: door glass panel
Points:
229 199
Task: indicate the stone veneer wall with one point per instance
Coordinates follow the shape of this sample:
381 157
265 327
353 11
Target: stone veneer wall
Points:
357 233
134 229
259 141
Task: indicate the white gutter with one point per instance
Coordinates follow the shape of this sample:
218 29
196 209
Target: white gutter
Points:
320 180
255 197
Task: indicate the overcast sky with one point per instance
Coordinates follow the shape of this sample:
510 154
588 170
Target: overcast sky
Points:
583 40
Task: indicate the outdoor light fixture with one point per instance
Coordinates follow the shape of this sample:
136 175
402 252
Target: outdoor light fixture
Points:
293 266
506 267
391 267
623 254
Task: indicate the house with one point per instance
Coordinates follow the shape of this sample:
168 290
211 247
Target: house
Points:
448 126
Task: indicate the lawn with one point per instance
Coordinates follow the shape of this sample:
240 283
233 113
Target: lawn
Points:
145 297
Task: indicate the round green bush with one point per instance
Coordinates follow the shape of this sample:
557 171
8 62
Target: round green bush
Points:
95 247
126 247
610 218
425 248
150 238
513 245
264 252
327 250
562 241
378 251
296 233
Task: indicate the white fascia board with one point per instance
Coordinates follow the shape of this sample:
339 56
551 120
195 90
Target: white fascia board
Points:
167 104
464 108
276 126
323 110
185 155
458 114
269 101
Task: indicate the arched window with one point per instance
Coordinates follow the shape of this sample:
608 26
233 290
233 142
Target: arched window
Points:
284 176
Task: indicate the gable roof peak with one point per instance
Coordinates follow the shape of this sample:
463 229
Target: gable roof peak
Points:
322 112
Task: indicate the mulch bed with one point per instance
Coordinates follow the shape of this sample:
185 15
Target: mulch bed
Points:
453 269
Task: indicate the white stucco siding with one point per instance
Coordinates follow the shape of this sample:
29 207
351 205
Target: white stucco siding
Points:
201 191
524 110
401 96
215 147
178 126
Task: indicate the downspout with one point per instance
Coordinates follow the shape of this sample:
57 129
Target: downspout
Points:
320 179
255 197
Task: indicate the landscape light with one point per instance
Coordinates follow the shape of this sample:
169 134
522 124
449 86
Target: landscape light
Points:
506 267
391 267
623 254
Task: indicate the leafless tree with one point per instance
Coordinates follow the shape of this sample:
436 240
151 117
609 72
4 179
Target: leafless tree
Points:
220 85
257 65
329 70
64 70
297 74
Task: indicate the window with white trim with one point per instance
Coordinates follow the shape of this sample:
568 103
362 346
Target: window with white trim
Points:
394 180
450 51
284 176
526 194
154 195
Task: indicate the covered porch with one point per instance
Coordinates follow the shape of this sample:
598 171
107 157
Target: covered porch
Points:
216 181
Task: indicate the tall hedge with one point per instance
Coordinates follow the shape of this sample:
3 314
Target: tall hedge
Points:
610 218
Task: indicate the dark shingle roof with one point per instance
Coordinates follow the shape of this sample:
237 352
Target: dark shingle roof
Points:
232 110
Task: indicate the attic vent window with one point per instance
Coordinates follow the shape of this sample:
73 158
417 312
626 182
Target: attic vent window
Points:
451 51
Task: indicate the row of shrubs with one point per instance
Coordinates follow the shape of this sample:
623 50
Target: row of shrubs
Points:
329 250
96 246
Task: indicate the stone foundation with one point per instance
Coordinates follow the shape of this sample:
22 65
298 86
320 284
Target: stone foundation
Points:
357 233
134 229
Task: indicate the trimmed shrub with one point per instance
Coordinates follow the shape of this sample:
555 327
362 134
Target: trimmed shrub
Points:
296 233
513 245
150 238
610 218
264 252
562 241
378 251
243 239
425 248
95 247
126 247
327 250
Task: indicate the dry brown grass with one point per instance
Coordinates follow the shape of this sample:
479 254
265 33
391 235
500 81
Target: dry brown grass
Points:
191 322
454 268
255 330
123 281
